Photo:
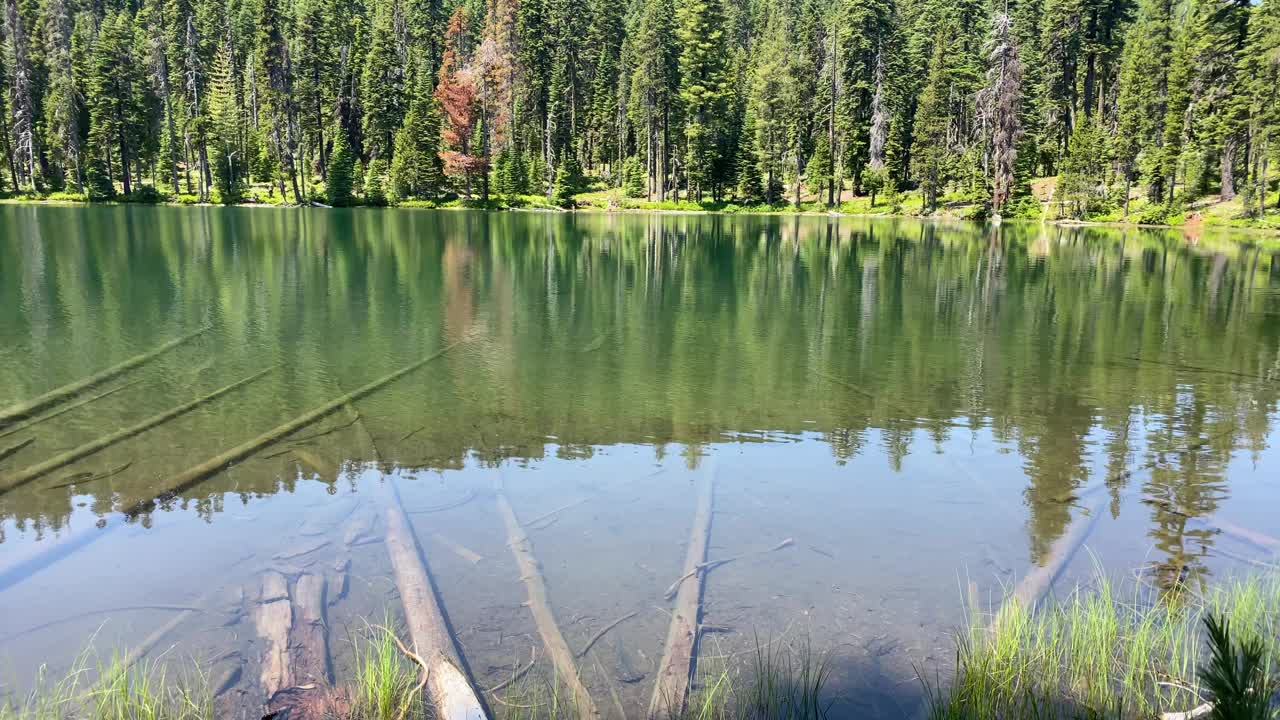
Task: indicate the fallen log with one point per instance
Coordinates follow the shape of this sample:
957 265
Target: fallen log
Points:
14 450
88 477
26 409
40 470
452 695
66 409
675 671
1035 585
461 551
1259 540
540 606
193 476
308 638
273 619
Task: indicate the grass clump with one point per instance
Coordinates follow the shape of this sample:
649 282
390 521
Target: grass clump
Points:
386 682
1095 655
118 691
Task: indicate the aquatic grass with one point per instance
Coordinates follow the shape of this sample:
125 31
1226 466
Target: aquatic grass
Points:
1096 655
386 682
120 691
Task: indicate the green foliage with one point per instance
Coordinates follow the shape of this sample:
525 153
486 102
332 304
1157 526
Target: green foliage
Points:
874 181
633 177
1236 674
817 174
227 178
342 167
568 180
375 183
1081 187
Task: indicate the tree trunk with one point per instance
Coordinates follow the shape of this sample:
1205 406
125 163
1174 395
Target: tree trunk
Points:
1227 168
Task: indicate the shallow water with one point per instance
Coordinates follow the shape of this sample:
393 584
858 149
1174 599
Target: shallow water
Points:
915 405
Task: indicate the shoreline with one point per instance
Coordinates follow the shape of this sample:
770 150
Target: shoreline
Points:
1187 229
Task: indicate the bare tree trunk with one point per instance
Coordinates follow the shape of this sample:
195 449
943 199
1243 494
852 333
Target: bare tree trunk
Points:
1227 168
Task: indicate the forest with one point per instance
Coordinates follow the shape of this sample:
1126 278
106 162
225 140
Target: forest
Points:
758 102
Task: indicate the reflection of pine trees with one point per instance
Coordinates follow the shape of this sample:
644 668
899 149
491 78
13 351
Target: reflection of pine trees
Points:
602 329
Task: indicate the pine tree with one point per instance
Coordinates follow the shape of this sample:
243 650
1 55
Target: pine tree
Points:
750 183
342 168
115 97
633 177
932 154
375 183
703 87
817 173
773 98
382 90
568 180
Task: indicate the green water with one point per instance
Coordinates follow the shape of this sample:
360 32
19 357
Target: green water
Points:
909 401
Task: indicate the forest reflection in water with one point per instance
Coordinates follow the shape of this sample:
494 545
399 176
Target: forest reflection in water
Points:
918 378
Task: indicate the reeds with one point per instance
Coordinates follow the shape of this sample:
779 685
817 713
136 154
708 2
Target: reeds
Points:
1099 656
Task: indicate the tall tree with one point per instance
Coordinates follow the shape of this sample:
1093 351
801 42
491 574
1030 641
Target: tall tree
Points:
999 103
456 93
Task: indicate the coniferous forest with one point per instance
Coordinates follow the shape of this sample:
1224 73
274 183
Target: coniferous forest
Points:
1156 102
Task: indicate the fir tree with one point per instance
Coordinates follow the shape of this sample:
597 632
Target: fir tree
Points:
342 167
375 183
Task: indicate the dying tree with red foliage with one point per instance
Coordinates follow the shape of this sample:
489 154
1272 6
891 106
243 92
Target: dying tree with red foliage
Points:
456 93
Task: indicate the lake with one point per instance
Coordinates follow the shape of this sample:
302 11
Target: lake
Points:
918 407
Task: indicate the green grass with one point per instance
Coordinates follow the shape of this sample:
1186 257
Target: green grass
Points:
1098 655
110 690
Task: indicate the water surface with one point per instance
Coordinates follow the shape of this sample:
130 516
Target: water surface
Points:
916 405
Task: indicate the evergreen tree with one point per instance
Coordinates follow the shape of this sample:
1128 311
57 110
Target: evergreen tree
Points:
932 153
703 88
633 185
342 168
382 84
375 182
750 183
568 181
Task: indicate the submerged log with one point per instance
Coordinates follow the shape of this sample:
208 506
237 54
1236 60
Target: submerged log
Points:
193 476
461 551
40 470
675 671
1035 585
273 619
308 638
543 617
14 450
21 410
452 695
1259 540
66 409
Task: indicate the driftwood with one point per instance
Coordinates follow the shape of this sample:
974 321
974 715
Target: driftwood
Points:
193 476
273 619
88 477
66 409
519 673
308 638
461 551
1035 585
451 693
675 671
600 633
543 618
1197 712
62 460
14 450
703 567
1262 541
26 409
